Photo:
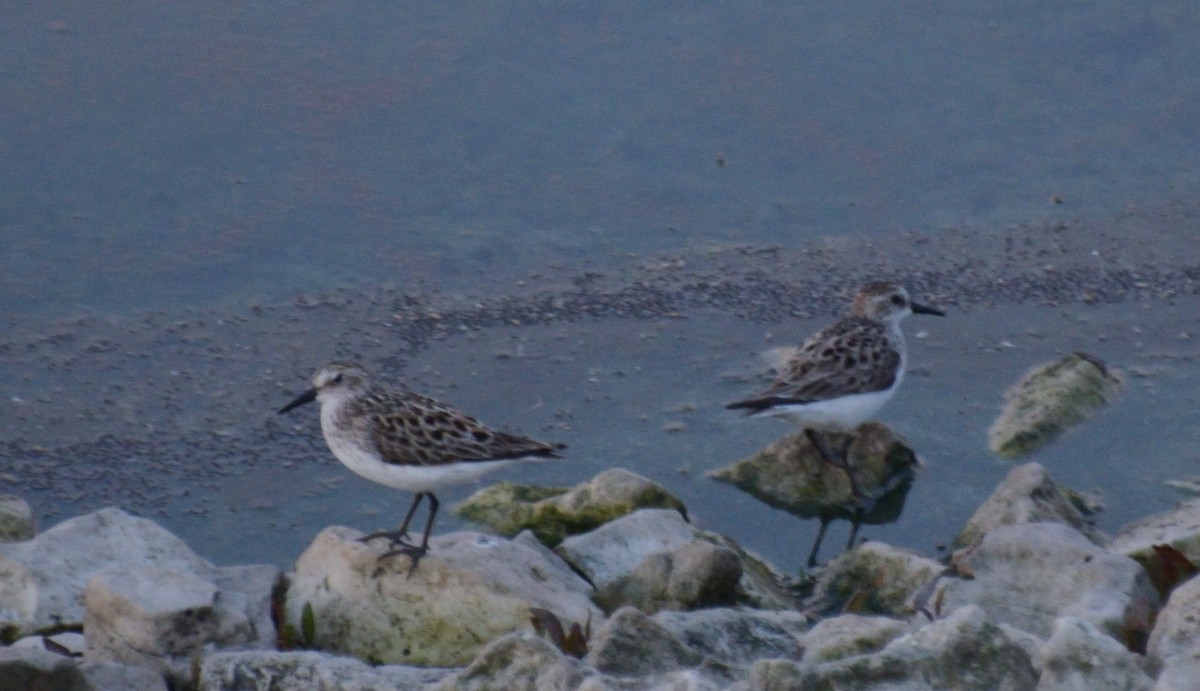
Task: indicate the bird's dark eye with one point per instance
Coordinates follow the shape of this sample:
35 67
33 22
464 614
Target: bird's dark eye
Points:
337 379
898 300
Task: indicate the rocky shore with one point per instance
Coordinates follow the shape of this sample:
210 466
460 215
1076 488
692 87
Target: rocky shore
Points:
608 586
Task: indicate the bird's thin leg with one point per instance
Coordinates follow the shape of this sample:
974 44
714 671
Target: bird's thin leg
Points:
843 464
812 555
855 523
400 534
413 551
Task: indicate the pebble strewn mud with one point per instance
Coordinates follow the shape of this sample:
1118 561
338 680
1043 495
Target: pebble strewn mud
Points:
152 410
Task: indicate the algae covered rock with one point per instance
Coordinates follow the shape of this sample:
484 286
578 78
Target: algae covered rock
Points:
791 475
554 513
868 485
1049 400
469 590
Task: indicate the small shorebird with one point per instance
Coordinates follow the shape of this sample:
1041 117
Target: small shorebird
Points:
845 372
408 441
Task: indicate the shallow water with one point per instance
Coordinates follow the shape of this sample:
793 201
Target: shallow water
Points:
584 225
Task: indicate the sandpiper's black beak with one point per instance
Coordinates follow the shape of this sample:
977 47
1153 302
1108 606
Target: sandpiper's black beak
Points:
306 397
918 308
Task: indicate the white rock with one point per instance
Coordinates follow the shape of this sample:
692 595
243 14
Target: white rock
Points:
16 519
517 661
962 651
849 635
632 644
880 578
1173 652
1179 528
111 676
469 590
307 671
612 551
697 574
31 668
1080 658
1028 575
159 618
737 636
42 580
250 589
1027 495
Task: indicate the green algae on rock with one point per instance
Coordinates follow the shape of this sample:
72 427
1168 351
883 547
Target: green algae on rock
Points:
554 513
1049 400
791 475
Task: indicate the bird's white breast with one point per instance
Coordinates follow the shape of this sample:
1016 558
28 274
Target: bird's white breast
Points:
837 414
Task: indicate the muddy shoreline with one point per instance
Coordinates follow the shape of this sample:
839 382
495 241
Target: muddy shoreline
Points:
153 411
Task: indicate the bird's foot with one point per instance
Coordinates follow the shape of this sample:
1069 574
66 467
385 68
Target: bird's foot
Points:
396 537
414 553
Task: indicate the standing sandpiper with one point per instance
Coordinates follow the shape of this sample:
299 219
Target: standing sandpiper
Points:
845 372
408 441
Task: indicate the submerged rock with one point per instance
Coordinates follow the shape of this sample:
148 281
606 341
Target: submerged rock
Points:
1049 400
16 519
793 475
1027 495
469 590
555 513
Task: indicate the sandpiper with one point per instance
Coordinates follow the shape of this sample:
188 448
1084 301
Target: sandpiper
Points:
845 372
408 441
